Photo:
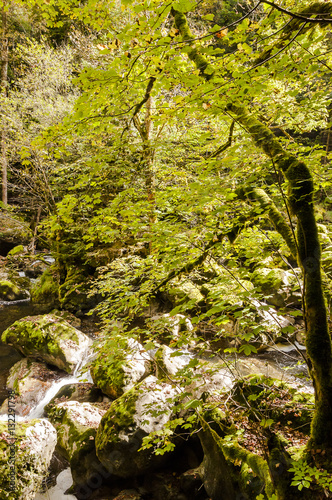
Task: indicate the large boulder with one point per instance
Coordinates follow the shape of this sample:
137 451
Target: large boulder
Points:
49 338
25 455
13 231
9 291
202 377
145 408
184 291
120 364
281 288
30 381
76 424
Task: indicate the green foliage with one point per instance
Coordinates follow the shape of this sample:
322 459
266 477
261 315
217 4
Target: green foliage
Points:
306 475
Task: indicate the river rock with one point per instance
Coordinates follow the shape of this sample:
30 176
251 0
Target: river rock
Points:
9 291
122 428
13 231
57 492
76 424
35 443
30 380
281 288
83 392
201 376
49 338
120 364
184 291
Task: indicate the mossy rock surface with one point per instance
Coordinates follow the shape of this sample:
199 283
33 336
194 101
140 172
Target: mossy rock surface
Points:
184 292
120 364
32 452
76 424
46 289
49 338
9 291
280 287
127 422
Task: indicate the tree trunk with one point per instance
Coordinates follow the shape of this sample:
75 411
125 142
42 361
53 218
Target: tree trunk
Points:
3 87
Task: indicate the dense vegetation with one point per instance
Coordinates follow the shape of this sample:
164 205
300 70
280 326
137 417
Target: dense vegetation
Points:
175 157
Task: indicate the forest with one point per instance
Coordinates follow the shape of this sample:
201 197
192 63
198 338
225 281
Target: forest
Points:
166 249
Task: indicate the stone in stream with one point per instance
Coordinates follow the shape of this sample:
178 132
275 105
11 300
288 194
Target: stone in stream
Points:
83 392
30 380
49 338
24 464
57 492
128 421
119 365
76 424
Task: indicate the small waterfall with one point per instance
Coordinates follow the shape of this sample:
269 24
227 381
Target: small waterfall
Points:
38 411
77 376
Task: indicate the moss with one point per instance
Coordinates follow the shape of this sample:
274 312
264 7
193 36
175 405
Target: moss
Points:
9 291
118 417
46 288
30 470
16 250
39 336
276 217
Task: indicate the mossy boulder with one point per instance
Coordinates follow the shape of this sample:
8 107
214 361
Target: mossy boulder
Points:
30 453
30 381
49 338
76 424
45 290
145 408
19 249
13 230
184 291
281 288
9 291
120 364
74 292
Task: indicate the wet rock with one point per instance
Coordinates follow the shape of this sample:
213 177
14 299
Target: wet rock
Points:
128 420
57 492
120 364
49 338
34 446
76 424
81 392
30 380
